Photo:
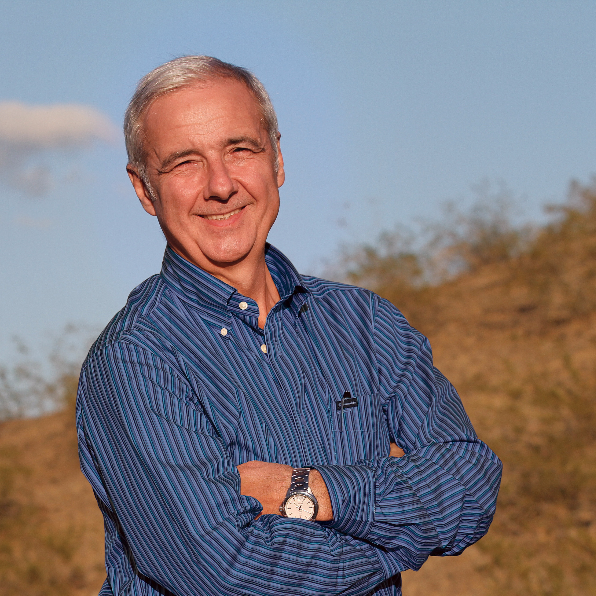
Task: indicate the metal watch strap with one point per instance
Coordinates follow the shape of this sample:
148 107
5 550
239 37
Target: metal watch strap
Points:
299 481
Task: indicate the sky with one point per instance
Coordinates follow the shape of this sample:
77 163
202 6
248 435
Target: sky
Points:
387 110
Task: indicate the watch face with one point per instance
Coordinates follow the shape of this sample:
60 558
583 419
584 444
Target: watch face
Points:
300 506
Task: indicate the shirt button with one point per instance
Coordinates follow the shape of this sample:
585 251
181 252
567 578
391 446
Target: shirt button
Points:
224 331
264 349
243 305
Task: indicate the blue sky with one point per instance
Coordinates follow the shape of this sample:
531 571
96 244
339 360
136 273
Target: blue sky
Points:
387 109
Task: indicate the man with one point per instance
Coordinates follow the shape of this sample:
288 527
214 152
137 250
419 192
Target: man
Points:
246 429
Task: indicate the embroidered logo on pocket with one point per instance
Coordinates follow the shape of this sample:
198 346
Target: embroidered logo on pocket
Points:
347 401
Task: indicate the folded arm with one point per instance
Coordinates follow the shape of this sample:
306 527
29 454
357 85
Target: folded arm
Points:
268 483
440 496
436 492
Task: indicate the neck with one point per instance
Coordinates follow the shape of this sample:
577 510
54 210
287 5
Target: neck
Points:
254 282
251 278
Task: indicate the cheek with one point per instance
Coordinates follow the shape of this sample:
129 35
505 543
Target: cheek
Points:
264 189
179 198
186 182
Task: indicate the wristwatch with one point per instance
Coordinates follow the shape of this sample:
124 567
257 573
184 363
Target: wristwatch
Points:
300 501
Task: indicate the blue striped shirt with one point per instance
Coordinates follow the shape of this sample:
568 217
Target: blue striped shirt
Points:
183 386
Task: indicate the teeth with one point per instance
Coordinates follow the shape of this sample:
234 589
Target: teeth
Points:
220 217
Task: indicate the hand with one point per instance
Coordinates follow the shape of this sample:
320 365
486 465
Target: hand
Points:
269 483
395 451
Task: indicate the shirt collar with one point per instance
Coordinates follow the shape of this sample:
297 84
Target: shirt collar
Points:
196 285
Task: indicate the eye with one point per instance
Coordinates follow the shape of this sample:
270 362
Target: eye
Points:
187 163
188 166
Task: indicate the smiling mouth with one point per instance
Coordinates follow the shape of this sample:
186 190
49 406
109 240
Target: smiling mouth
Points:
223 216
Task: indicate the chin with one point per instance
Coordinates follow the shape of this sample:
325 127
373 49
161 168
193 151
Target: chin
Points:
230 255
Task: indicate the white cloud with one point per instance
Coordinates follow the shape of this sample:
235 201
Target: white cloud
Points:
28 134
50 127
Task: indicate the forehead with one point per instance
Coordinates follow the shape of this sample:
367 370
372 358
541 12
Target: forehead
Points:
218 106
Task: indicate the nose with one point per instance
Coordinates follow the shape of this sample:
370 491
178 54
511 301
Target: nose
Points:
220 185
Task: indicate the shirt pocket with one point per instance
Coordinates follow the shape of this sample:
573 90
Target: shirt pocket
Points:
359 427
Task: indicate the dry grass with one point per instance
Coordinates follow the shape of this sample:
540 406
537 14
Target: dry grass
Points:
51 531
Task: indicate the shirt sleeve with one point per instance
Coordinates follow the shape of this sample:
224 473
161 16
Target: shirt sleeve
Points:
171 501
438 498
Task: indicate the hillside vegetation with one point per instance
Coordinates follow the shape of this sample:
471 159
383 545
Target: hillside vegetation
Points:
511 314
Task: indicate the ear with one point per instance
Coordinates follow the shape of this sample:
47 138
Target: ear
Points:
281 174
141 190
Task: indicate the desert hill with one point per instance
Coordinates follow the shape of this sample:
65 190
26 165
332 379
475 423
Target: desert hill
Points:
51 531
513 326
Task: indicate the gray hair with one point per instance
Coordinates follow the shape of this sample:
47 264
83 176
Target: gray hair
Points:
177 74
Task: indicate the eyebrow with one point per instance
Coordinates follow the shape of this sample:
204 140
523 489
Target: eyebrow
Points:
172 157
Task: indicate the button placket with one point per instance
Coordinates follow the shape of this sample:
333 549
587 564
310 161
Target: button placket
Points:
245 310
226 330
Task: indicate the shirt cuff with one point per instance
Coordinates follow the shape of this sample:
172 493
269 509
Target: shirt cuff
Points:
352 494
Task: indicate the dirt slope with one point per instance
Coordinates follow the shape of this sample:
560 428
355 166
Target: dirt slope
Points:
51 531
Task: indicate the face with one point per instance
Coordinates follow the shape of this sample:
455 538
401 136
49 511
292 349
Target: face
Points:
211 166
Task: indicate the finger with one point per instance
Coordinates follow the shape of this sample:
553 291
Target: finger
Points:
395 451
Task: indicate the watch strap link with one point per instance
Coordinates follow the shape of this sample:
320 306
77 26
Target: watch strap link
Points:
299 481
